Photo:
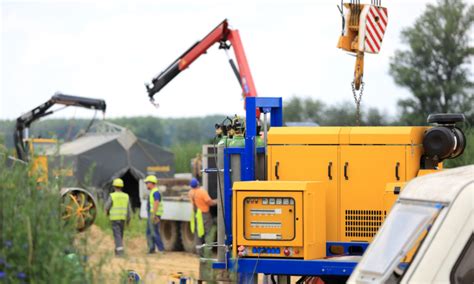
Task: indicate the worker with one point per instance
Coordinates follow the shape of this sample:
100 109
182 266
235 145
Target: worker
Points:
201 221
119 210
155 211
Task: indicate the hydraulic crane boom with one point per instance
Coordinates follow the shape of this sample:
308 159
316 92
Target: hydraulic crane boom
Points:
226 37
24 121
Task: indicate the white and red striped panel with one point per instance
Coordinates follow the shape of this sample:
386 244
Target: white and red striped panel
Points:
376 20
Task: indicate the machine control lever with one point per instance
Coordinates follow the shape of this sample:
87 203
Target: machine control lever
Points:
396 171
346 165
277 165
330 170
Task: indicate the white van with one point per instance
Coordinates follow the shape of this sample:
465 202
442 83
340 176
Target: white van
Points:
428 236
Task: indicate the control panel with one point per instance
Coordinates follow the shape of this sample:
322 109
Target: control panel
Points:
269 218
272 221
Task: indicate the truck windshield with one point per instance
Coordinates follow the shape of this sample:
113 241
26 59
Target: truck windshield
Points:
404 229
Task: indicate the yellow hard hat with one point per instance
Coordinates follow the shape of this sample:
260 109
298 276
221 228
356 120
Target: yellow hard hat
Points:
151 179
118 182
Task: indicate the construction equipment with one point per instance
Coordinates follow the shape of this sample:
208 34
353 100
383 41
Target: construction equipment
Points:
78 204
428 236
327 190
226 38
274 221
343 180
363 28
23 144
364 169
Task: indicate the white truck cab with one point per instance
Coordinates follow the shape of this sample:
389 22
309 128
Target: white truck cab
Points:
428 236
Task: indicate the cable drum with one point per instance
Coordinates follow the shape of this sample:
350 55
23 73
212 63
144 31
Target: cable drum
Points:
78 206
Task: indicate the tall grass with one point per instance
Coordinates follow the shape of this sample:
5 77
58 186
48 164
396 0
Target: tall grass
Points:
36 245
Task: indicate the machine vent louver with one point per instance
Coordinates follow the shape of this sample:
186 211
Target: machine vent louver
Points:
363 223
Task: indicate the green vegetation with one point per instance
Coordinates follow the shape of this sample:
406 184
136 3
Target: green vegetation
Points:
36 246
436 67
313 110
183 153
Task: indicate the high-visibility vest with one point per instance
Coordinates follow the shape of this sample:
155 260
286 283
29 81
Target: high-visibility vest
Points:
159 212
200 223
119 206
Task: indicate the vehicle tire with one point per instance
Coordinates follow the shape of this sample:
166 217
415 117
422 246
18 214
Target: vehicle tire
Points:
169 233
187 238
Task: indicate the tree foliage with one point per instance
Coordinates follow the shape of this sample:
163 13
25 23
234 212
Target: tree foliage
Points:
436 67
313 110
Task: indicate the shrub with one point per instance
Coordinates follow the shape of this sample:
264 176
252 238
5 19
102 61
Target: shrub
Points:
36 245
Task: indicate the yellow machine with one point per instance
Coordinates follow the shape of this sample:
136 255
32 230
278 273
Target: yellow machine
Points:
274 221
357 162
333 184
38 148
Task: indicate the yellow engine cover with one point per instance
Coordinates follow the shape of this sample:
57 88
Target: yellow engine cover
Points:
357 163
280 219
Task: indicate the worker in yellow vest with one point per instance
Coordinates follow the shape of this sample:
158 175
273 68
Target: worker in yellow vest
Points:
155 211
119 210
201 220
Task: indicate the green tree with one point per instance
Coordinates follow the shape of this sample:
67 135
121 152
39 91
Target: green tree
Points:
293 110
343 114
436 66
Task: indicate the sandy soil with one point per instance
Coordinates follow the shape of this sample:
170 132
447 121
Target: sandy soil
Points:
156 268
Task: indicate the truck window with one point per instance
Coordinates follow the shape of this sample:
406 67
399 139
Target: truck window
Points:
404 229
463 269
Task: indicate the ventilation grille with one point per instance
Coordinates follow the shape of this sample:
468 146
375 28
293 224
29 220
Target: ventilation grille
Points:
363 223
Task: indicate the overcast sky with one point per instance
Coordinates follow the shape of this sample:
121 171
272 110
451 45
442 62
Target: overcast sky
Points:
109 49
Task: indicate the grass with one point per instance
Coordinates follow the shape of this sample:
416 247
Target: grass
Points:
36 245
136 228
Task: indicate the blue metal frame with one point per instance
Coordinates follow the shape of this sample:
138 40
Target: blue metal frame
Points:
248 266
295 267
274 106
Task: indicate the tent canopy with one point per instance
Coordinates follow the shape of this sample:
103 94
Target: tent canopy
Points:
110 151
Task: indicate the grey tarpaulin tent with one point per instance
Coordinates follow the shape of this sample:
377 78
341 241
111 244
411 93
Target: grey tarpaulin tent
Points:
110 151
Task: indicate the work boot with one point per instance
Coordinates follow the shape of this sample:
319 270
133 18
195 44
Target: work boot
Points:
119 251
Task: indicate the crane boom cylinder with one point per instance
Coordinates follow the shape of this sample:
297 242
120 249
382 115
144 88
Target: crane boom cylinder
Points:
227 38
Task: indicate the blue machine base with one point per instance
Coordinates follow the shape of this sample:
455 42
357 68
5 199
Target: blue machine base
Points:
319 267
295 267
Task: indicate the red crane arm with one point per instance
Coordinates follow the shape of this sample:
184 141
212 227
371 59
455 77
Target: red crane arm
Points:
222 34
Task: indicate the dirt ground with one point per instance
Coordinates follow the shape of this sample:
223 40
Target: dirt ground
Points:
155 268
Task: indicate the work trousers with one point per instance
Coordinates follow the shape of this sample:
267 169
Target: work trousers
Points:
153 236
207 220
117 229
